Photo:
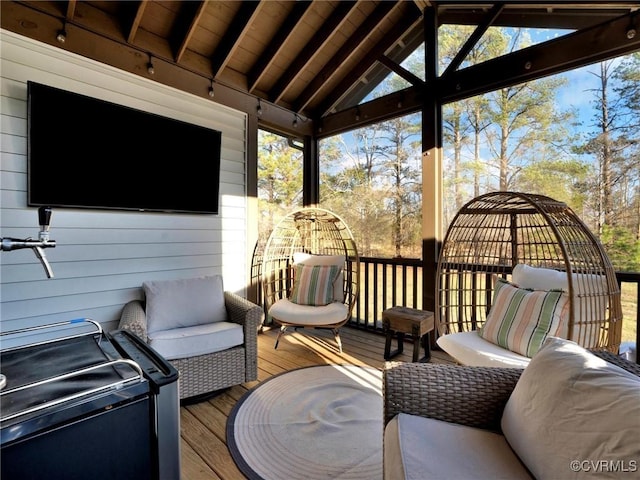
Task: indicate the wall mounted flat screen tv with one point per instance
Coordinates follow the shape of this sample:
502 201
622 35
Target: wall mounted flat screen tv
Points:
88 153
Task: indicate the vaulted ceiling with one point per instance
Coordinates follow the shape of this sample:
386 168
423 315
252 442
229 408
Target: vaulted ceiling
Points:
313 59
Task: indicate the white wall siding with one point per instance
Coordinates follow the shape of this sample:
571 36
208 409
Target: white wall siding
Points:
102 257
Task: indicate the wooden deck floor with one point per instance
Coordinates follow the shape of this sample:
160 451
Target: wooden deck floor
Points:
204 453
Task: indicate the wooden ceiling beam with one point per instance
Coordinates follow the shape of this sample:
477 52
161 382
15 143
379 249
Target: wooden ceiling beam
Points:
323 33
135 22
276 44
237 29
381 11
514 15
474 38
71 9
584 47
398 30
401 71
190 15
384 108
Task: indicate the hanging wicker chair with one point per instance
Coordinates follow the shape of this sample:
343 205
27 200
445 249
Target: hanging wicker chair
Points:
494 233
311 237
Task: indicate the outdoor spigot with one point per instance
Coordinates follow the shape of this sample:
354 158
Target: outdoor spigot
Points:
44 218
38 246
39 251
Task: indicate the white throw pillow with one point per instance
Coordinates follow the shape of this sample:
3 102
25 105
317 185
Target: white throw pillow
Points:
184 302
573 415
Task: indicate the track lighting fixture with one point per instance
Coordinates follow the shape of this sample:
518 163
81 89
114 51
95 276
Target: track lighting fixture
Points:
295 120
62 34
212 93
259 109
150 69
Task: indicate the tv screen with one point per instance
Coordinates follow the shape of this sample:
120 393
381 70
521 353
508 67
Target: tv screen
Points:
89 153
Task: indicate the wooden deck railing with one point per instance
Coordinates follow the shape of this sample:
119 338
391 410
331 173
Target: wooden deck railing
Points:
398 281
388 282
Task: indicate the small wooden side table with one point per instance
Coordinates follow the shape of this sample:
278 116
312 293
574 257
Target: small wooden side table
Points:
401 320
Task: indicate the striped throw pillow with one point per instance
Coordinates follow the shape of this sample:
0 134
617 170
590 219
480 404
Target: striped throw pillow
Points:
520 320
313 284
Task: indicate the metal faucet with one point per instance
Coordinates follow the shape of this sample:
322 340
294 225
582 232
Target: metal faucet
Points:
38 246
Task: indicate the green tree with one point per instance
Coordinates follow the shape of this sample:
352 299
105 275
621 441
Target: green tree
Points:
613 143
403 179
627 88
525 120
279 180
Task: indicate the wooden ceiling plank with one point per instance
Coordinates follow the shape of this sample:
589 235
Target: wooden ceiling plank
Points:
135 23
195 14
584 47
323 33
284 32
232 36
360 35
474 38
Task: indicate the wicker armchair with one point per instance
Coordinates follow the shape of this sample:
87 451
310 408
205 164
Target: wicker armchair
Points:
202 374
471 396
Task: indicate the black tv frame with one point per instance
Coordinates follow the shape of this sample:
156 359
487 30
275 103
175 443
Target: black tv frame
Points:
84 152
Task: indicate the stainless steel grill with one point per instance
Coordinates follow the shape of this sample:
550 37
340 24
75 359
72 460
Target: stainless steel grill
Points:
80 403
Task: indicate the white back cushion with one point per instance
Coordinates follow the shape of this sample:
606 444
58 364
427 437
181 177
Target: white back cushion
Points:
570 405
589 308
184 302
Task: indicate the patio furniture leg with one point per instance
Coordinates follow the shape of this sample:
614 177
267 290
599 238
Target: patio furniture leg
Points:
282 329
336 334
388 354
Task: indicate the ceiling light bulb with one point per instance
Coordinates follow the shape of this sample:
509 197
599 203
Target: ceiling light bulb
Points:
212 93
150 68
62 36
631 33
259 109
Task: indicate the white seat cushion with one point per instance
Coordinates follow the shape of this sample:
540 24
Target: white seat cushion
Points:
469 348
197 340
570 408
308 316
420 448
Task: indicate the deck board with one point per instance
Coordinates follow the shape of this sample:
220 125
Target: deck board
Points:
204 453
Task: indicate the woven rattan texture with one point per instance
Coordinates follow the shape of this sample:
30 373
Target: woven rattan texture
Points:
494 232
473 396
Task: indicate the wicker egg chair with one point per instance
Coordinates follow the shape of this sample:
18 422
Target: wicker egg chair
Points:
494 233
311 237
